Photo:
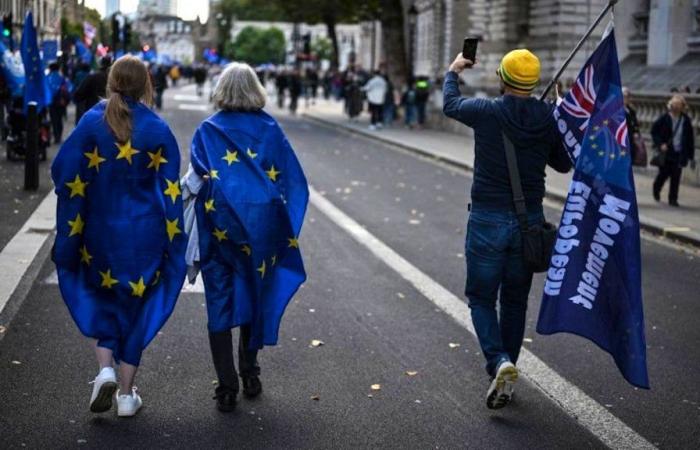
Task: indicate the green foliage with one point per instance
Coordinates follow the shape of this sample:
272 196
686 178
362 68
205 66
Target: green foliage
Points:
70 29
322 48
257 46
252 10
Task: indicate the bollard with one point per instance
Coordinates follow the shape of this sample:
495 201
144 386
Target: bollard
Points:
31 149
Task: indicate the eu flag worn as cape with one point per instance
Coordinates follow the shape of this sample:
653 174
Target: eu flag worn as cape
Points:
119 247
36 88
12 69
249 215
593 286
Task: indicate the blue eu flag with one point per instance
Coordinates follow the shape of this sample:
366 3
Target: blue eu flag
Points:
36 88
12 69
593 286
120 245
249 217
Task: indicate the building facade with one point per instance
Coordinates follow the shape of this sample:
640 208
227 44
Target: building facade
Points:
47 16
111 6
170 36
151 7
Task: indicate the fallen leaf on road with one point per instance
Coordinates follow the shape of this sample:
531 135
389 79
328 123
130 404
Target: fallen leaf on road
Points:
315 397
2 329
370 396
411 373
376 387
418 401
414 222
527 340
312 310
214 382
400 295
82 441
316 343
453 345
17 363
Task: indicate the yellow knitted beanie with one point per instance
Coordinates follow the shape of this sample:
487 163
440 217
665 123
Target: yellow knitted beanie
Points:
520 70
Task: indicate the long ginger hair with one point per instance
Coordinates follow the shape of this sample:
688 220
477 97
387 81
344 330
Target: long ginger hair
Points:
128 78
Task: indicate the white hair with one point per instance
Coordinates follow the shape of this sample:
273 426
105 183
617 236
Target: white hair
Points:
239 89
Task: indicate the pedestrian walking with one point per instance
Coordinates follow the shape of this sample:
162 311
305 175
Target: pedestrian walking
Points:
200 77
249 197
674 140
295 90
160 79
92 89
375 89
493 246
639 152
389 107
120 247
281 84
422 97
408 102
59 90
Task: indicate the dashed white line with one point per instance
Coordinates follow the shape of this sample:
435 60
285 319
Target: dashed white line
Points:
589 413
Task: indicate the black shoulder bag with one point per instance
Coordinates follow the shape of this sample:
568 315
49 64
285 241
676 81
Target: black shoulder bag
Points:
538 240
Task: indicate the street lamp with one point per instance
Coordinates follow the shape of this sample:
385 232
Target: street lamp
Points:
412 17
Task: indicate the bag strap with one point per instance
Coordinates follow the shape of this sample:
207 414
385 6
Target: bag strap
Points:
515 184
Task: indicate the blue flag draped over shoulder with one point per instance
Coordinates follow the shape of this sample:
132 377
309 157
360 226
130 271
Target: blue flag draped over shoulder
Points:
249 216
36 88
593 286
120 247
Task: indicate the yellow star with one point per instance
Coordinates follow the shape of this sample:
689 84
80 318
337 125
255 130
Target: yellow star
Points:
596 128
293 242
251 154
594 146
172 229
76 225
157 279
173 189
138 288
612 155
95 159
77 187
126 151
220 234
85 256
246 249
605 122
262 269
107 280
156 159
274 259
592 138
231 157
272 173
623 153
214 174
209 205
601 153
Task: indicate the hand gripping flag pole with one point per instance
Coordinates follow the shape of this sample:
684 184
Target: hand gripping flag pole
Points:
608 7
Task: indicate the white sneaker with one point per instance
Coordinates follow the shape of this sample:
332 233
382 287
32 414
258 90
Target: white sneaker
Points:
104 386
501 390
128 405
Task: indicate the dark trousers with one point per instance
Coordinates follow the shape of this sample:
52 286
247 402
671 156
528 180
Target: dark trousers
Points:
376 113
221 344
496 273
56 118
673 171
420 109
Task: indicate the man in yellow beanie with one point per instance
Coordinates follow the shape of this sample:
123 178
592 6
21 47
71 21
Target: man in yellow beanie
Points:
493 245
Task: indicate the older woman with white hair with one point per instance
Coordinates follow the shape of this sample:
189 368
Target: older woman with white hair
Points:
247 197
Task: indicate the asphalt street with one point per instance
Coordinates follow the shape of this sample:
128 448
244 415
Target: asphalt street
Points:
376 329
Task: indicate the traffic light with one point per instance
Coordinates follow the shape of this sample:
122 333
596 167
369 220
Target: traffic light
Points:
307 43
127 35
115 32
7 25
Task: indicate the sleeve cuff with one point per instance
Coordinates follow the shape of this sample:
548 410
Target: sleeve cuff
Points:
451 75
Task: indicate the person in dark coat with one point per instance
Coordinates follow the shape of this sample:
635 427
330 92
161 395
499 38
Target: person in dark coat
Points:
295 88
639 157
92 89
672 134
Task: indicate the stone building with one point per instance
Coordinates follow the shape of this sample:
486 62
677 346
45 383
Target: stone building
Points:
47 16
170 36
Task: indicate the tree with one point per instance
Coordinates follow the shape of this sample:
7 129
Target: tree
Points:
257 46
322 48
394 39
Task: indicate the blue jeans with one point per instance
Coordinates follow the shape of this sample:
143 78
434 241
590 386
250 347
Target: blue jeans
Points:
495 264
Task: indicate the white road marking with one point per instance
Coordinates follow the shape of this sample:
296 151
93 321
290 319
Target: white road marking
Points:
187 98
192 107
19 253
589 413
196 288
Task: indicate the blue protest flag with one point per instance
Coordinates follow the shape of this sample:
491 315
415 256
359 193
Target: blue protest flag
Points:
83 52
249 215
49 51
13 70
36 89
593 286
120 246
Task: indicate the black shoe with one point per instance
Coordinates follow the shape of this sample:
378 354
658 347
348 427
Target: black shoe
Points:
225 399
251 386
657 197
674 204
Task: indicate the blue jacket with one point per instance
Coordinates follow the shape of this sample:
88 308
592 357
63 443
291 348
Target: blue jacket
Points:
528 123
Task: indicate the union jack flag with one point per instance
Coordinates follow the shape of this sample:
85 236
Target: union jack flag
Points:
580 101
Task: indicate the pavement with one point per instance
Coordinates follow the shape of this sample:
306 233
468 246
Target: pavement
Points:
682 224
379 327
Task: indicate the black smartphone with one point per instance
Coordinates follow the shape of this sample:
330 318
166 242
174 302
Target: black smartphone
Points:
469 48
